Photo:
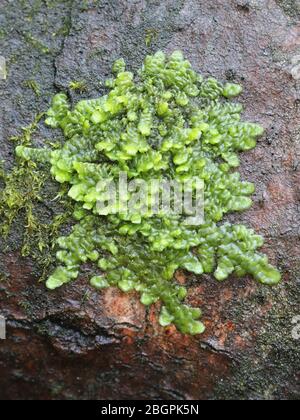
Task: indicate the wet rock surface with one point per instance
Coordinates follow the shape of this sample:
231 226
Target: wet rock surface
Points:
78 343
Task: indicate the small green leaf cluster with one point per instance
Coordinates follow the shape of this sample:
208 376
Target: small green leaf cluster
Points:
167 122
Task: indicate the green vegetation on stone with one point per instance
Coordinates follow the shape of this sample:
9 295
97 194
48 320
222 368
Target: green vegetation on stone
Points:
167 122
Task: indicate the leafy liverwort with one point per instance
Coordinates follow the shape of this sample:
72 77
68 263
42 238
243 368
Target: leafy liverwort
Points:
166 122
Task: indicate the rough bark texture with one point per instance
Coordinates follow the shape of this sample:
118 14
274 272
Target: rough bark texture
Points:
78 343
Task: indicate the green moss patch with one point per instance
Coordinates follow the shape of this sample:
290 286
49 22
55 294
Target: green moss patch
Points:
166 122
